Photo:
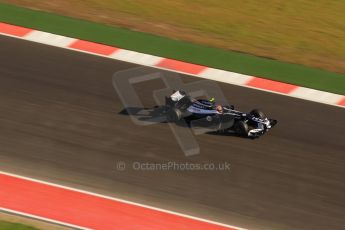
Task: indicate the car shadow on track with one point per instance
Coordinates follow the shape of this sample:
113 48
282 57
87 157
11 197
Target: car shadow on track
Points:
157 114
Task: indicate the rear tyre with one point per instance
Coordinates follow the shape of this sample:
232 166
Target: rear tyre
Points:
258 114
174 115
241 128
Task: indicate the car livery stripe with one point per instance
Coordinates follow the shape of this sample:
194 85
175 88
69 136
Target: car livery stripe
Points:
85 210
173 65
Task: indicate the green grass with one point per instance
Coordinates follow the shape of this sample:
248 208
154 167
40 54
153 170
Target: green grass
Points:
298 31
4 225
165 47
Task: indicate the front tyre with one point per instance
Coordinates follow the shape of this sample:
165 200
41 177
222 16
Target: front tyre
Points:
258 114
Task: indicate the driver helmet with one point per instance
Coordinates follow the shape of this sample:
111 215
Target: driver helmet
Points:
219 108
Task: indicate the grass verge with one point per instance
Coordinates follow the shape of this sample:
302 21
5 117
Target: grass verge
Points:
165 47
4 225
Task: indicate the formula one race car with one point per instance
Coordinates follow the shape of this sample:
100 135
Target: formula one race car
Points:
180 106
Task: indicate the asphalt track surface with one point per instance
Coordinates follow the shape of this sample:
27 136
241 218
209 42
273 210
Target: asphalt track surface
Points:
60 122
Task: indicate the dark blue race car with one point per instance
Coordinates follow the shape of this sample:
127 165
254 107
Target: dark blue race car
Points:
225 118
